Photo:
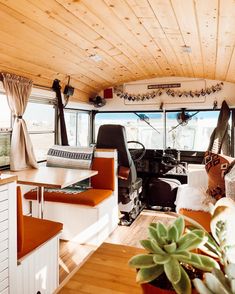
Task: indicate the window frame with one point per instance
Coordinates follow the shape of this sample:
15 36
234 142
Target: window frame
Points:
37 99
165 111
90 123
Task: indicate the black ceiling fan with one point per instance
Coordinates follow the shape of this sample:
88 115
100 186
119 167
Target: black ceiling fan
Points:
97 101
183 118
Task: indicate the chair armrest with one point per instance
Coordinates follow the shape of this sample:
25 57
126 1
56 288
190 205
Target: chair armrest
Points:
123 172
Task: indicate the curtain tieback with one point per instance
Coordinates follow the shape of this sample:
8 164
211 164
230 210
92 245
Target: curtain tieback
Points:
18 116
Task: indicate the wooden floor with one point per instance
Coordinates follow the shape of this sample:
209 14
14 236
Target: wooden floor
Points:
72 255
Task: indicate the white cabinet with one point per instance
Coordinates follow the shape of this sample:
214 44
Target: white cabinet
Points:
8 249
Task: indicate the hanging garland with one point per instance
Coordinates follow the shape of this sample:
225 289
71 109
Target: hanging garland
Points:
118 90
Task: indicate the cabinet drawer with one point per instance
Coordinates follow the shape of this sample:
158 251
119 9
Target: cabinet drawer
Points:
3 194
4 274
3 205
4 225
3 255
3 245
3 215
3 235
4 284
3 266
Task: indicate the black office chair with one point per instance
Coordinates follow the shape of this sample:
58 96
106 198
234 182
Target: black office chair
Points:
129 186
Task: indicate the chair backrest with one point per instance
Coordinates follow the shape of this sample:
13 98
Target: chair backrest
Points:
114 137
105 179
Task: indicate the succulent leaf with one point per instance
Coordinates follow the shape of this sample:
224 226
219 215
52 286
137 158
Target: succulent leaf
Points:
221 277
230 270
154 225
181 254
147 244
232 285
201 287
184 284
173 234
146 275
170 248
161 229
214 284
212 246
156 248
172 270
153 233
179 224
142 261
200 261
161 259
191 240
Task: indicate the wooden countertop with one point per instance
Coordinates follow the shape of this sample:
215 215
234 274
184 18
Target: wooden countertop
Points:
106 271
6 179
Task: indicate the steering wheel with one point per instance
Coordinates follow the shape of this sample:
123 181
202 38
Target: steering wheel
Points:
137 153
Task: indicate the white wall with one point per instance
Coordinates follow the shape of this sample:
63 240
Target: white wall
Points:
227 93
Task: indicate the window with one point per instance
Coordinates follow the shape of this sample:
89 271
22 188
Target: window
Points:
195 134
40 120
148 128
5 131
145 127
78 125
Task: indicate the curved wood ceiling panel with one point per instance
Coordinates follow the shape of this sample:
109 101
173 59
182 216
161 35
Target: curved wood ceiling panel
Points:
136 39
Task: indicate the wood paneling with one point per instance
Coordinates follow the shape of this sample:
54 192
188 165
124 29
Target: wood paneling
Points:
136 39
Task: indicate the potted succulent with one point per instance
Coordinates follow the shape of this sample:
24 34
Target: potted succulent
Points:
221 281
171 258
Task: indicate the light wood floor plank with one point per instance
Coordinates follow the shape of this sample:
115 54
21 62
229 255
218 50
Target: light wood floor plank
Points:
73 255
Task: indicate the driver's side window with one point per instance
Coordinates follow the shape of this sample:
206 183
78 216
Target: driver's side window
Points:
144 127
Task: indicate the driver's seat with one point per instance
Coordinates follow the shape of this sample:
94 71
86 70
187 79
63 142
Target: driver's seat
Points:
129 186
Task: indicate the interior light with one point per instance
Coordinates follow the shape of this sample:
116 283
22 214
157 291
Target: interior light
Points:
186 49
95 57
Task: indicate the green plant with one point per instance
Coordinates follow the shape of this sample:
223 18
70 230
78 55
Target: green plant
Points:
221 281
169 249
217 282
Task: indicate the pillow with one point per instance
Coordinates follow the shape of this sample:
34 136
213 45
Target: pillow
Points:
216 167
70 157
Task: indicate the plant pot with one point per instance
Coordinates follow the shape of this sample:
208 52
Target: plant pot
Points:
150 289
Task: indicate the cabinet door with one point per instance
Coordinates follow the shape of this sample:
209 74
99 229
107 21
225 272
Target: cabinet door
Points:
8 254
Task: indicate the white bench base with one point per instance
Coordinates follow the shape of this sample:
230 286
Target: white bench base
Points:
82 223
39 270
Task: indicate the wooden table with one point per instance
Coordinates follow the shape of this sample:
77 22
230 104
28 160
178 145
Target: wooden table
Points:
50 177
106 271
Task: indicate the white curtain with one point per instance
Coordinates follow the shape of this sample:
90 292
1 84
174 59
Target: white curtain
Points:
18 90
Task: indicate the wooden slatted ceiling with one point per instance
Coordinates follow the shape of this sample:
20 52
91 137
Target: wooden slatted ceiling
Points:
137 39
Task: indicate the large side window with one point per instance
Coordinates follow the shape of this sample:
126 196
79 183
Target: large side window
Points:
40 120
194 133
5 131
78 127
145 127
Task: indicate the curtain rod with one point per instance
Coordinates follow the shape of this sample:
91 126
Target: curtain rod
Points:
34 85
42 87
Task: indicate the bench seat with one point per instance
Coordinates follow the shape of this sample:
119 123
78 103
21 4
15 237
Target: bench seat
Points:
90 197
88 216
36 232
37 253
